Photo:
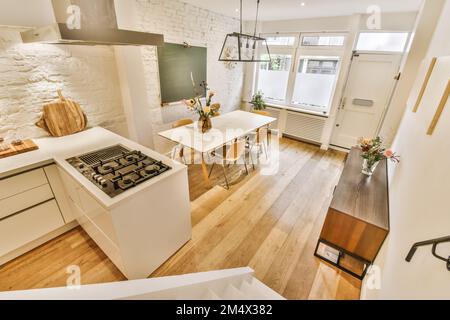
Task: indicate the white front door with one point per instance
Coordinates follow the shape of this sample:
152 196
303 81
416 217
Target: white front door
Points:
370 85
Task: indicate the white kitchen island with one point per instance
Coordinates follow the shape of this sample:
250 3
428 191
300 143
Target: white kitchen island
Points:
138 230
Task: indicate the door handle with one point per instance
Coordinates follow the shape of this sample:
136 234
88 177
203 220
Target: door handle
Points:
363 102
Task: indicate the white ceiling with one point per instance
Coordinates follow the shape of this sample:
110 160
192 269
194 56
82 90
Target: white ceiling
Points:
293 9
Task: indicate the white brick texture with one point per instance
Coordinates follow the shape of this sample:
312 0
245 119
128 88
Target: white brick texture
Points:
181 22
30 75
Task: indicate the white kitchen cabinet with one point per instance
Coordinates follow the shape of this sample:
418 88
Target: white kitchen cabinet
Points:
140 233
93 218
138 230
84 205
30 225
34 208
71 189
58 190
102 240
98 215
25 200
21 183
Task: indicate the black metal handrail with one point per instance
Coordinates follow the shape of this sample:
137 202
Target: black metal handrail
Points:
434 243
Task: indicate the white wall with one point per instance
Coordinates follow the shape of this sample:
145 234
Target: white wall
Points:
420 43
419 189
400 21
26 13
181 22
132 78
349 24
30 75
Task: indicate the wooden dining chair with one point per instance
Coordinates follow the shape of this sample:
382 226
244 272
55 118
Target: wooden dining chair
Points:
261 113
179 149
259 140
181 123
234 152
270 130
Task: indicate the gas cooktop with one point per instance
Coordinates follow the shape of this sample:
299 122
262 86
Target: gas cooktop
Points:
117 169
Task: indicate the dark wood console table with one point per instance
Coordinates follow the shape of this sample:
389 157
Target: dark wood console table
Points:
357 222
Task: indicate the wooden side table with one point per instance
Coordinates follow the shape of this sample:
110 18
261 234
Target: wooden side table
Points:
357 222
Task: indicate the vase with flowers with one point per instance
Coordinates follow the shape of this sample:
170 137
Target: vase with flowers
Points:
373 152
205 112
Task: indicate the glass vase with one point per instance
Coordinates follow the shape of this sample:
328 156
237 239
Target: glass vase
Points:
369 167
204 124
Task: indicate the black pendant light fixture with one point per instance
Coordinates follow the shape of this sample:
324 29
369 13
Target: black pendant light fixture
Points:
240 47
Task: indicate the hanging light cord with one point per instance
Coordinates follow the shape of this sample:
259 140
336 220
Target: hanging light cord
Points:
241 16
257 14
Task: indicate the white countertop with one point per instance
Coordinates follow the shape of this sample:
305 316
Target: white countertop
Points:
57 150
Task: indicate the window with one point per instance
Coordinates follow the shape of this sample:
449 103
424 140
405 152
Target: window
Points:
303 71
382 41
314 83
280 41
327 41
274 76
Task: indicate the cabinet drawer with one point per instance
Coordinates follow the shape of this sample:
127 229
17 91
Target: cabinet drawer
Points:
22 182
59 192
89 206
71 187
102 240
28 226
25 200
98 215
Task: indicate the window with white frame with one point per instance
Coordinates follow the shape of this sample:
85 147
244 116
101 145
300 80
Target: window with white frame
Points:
314 82
281 41
321 41
382 41
274 76
303 72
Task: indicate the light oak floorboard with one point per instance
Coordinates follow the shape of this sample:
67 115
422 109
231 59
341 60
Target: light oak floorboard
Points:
270 223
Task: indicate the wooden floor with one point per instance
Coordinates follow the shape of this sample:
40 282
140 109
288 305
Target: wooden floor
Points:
270 223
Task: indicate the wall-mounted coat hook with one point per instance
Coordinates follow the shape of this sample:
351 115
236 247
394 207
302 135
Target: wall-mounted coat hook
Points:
440 109
425 84
434 243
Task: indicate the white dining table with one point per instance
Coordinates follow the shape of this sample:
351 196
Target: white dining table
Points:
226 128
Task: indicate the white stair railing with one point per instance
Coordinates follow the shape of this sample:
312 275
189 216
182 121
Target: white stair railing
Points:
231 284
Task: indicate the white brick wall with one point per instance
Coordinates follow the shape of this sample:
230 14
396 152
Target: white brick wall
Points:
181 22
30 75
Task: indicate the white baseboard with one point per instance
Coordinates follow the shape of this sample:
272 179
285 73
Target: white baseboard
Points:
338 148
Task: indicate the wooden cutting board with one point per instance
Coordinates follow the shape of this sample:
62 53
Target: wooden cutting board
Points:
62 118
26 146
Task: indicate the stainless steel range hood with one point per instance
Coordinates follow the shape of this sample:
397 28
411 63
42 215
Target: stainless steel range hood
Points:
98 26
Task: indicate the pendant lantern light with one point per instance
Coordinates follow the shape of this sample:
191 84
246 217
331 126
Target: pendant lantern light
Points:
240 47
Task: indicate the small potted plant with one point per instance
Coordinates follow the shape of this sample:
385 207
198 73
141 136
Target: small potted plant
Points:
258 102
204 112
373 152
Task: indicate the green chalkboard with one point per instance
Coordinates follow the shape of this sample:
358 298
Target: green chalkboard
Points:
176 62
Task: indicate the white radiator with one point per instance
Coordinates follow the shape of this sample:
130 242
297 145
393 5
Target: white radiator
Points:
305 127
